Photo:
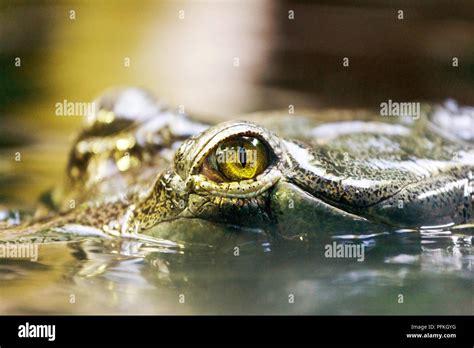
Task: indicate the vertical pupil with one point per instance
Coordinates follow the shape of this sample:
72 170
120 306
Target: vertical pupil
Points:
242 156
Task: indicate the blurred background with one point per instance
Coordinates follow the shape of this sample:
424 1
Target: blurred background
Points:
218 59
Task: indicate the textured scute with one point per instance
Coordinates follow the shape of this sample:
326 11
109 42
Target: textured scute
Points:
440 200
357 171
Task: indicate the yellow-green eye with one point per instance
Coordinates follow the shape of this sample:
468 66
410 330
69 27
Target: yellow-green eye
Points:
240 158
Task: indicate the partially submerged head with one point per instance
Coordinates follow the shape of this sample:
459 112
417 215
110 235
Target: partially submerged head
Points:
235 173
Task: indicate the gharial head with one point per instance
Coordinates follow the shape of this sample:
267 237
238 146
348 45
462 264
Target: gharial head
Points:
234 173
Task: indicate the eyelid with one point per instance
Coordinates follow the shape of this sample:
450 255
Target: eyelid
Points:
201 146
212 170
189 157
234 189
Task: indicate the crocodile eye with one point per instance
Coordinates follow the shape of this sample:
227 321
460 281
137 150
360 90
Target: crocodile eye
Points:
236 159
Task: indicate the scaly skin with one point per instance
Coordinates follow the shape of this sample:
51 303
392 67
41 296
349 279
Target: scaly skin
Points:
344 176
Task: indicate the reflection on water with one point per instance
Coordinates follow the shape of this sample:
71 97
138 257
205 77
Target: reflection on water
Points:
428 273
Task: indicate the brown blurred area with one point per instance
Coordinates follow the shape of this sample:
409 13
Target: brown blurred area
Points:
409 59
191 61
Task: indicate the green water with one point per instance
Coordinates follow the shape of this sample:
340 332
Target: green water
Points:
401 273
